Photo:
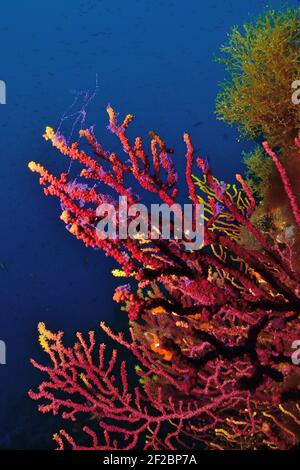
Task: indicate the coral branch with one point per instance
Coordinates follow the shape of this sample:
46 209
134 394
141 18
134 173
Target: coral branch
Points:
285 180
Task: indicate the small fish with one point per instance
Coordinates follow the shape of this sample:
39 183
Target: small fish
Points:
3 266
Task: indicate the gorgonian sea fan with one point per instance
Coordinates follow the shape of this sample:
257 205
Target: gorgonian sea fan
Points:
211 330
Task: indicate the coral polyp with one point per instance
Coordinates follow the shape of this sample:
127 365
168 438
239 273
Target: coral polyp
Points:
211 331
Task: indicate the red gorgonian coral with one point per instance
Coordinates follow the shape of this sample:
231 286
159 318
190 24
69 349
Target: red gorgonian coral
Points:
210 330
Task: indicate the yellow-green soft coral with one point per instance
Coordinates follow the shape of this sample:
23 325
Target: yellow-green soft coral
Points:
263 61
259 171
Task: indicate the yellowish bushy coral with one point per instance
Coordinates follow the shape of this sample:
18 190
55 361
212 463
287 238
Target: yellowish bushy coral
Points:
263 61
259 171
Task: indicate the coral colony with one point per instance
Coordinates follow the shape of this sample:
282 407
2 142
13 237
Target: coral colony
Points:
213 333
210 330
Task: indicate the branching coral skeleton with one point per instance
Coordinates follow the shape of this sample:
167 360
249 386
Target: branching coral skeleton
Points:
211 330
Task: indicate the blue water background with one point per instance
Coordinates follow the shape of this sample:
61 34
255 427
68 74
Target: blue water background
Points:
154 59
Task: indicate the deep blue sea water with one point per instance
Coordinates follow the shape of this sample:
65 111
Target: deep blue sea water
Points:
154 59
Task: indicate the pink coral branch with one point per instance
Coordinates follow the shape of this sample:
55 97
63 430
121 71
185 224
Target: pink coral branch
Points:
286 182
